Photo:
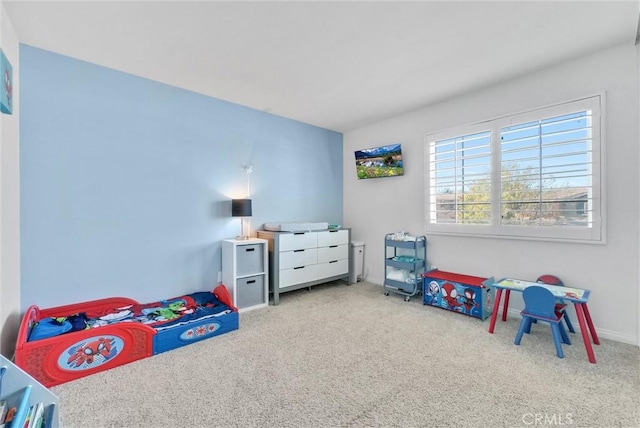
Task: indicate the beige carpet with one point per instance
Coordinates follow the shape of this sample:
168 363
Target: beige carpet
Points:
348 356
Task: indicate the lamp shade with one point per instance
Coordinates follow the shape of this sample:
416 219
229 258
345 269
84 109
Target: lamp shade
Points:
241 207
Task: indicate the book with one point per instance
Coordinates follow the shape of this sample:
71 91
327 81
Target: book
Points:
47 417
27 420
3 410
37 416
10 414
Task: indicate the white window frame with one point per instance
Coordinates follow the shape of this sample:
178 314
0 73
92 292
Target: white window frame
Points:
594 234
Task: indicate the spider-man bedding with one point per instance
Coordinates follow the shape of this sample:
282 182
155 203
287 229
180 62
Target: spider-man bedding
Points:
60 344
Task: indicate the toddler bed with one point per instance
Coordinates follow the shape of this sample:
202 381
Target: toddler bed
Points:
60 344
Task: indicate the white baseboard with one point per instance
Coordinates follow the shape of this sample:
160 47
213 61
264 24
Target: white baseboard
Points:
376 281
602 333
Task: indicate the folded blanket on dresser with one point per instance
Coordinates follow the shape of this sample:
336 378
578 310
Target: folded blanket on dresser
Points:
295 226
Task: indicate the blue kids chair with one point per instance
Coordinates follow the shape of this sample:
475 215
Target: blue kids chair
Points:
560 303
539 304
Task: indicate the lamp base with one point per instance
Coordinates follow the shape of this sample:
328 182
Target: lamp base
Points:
244 230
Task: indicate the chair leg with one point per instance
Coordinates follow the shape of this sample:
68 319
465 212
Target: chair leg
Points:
521 329
556 339
527 328
565 315
563 333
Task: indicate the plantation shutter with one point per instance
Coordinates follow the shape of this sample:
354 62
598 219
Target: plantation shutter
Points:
546 170
460 179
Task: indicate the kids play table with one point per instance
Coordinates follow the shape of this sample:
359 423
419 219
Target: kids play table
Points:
577 296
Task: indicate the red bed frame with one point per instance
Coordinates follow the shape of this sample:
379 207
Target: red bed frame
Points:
47 360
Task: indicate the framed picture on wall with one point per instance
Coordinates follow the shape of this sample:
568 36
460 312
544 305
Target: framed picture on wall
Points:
383 161
6 94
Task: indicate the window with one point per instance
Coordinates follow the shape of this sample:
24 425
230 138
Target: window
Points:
531 175
461 179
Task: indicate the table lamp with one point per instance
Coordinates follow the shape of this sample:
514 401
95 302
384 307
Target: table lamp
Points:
241 208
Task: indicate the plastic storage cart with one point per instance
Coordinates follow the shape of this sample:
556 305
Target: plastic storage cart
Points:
405 261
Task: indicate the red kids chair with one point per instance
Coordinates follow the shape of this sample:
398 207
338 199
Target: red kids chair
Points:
539 304
561 306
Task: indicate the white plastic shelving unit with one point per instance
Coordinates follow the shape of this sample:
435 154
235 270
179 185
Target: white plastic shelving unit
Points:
22 391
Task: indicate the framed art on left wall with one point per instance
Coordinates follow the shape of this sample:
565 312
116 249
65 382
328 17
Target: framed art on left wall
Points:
6 94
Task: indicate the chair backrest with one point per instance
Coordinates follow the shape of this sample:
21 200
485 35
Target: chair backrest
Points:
540 302
550 279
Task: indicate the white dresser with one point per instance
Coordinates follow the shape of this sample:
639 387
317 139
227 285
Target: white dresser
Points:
303 259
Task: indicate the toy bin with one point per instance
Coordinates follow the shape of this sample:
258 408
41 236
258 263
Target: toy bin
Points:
469 295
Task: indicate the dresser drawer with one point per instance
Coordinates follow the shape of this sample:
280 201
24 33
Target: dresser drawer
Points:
295 258
333 237
339 267
298 241
297 275
334 252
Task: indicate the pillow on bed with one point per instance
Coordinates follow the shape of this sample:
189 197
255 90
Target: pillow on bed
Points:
49 327
204 298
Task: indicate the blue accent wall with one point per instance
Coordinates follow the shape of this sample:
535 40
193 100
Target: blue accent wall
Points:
126 182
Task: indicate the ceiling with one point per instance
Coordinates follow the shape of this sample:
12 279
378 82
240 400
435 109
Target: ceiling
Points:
338 65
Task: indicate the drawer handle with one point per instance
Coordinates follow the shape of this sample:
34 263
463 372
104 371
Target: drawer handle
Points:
298 233
333 231
250 249
299 267
298 251
334 261
333 246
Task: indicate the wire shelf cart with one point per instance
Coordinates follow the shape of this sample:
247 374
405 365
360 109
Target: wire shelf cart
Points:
405 261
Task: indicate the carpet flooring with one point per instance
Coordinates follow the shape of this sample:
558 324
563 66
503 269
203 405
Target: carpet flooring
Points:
349 356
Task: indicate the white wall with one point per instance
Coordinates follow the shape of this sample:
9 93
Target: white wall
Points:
379 206
9 199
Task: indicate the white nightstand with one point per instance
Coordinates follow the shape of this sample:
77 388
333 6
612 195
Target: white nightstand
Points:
245 272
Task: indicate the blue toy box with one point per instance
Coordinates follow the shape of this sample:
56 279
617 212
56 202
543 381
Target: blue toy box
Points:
469 295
